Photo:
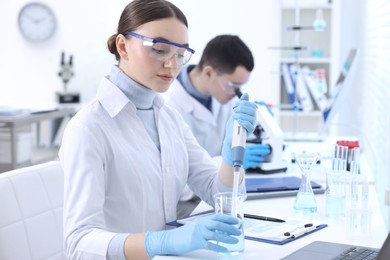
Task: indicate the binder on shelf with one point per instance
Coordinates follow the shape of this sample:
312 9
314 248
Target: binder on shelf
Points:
301 89
315 86
268 231
288 83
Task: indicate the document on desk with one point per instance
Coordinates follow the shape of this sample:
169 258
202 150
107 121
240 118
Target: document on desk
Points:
274 230
279 233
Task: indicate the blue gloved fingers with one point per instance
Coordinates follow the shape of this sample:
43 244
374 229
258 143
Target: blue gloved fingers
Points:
223 223
255 158
198 234
244 106
245 114
258 149
245 111
227 229
225 218
247 122
254 155
244 96
219 236
253 161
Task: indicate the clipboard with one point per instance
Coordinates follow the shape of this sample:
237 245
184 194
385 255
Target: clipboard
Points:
257 188
265 231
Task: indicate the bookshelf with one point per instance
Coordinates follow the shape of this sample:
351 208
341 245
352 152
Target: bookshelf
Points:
302 46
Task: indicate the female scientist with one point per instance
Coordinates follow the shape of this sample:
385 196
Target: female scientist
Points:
127 157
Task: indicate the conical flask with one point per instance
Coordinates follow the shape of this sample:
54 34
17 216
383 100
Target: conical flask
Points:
305 202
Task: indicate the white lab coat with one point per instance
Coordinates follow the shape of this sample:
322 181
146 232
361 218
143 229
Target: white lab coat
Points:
207 127
117 181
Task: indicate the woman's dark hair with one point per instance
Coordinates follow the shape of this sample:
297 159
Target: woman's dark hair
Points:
224 53
139 12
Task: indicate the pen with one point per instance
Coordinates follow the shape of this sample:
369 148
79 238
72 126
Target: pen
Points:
263 218
304 230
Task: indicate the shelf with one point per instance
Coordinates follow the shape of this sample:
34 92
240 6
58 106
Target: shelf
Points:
305 4
315 60
315 113
308 7
307 60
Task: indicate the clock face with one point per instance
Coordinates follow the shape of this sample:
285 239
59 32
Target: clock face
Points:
37 22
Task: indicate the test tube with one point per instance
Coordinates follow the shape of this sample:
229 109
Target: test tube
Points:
339 157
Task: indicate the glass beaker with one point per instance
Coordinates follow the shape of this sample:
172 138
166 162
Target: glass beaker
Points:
223 205
337 179
305 201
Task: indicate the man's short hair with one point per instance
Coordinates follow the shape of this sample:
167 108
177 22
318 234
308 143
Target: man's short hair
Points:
224 53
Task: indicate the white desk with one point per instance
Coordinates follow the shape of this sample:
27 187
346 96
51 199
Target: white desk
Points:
283 208
12 126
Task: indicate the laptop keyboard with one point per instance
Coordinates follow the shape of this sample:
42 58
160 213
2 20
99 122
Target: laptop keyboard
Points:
358 253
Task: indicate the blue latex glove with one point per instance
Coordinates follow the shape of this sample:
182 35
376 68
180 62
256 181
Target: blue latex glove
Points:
262 103
254 154
194 235
245 114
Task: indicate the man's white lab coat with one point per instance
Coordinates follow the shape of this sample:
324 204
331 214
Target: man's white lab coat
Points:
207 127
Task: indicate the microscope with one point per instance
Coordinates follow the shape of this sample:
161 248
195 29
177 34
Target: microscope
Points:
66 73
268 132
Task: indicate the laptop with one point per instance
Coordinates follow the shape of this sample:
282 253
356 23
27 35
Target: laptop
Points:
320 250
332 104
273 187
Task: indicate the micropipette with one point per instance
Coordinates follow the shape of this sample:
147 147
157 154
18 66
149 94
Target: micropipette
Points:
238 154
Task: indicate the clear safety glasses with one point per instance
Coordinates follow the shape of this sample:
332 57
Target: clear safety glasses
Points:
164 50
230 87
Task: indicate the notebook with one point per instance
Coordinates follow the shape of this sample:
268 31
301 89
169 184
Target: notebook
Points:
321 250
332 106
257 188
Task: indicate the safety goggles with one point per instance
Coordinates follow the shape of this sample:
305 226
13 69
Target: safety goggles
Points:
164 50
230 87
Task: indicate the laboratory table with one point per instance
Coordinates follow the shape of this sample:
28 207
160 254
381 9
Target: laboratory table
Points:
282 207
12 125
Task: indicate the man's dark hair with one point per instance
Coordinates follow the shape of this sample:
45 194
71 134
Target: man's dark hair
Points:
224 53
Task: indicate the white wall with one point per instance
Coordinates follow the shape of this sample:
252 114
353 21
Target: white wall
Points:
28 71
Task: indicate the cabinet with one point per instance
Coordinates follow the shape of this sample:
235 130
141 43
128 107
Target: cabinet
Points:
16 146
301 46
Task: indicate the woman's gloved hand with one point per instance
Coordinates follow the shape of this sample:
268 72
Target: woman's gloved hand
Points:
194 235
245 114
254 155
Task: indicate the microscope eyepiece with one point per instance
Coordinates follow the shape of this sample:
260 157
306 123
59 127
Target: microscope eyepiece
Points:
238 92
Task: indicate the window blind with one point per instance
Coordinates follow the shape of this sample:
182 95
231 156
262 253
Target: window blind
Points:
376 94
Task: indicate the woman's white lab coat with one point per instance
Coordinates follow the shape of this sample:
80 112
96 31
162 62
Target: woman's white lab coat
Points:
117 181
207 127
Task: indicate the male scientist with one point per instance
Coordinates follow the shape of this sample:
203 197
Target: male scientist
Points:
205 94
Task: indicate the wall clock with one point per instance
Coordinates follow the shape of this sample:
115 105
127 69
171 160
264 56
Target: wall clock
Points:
37 22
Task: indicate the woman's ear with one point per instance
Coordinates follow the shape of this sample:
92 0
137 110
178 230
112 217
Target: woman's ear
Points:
121 46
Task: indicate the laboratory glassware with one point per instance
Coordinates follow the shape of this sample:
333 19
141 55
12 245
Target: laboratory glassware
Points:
223 205
337 179
305 201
